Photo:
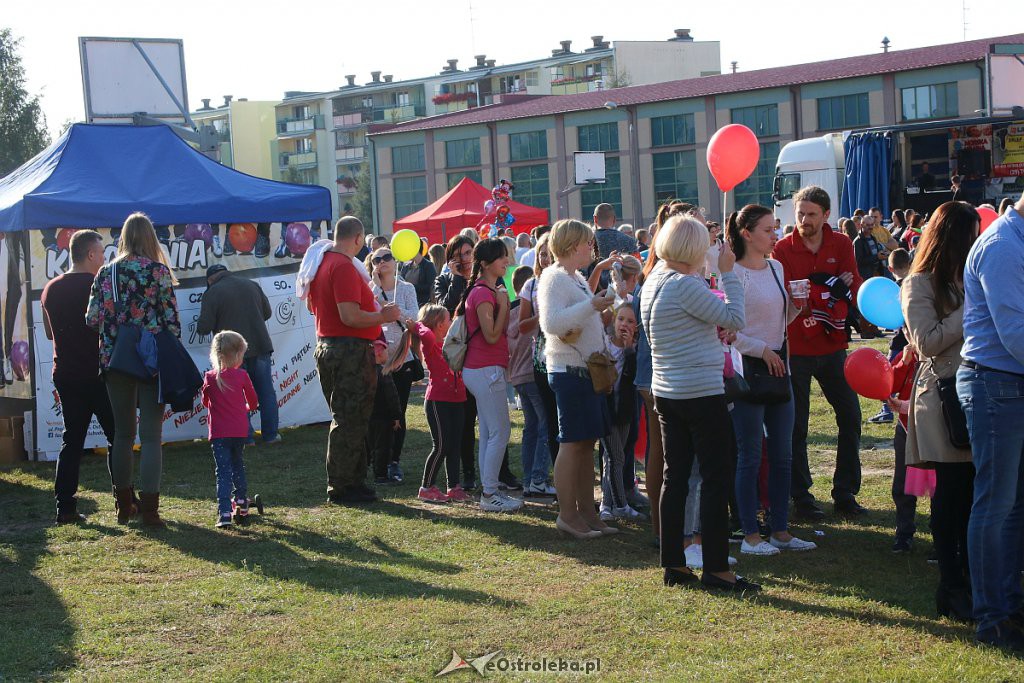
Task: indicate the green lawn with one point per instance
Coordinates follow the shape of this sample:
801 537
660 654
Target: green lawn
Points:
317 592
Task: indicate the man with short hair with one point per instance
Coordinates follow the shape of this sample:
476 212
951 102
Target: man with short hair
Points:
348 320
530 257
880 232
990 383
608 238
76 366
817 341
239 304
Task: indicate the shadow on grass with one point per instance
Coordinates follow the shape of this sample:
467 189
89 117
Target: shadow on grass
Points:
353 570
38 635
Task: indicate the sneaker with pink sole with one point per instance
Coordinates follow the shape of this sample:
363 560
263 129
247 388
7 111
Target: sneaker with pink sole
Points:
457 494
432 495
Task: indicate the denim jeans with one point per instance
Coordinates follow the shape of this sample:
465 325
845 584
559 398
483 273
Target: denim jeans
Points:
993 403
752 423
258 368
227 455
536 458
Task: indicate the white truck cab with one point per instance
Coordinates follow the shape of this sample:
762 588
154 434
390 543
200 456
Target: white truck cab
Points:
814 161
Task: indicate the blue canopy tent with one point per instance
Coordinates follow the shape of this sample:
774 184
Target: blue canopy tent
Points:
869 159
94 176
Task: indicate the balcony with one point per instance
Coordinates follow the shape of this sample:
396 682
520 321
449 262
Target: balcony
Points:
296 159
346 154
449 107
396 114
290 126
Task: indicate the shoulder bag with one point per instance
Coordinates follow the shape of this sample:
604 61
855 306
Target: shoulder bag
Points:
766 388
456 342
134 351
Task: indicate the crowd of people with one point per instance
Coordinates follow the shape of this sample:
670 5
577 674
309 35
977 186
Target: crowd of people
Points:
698 342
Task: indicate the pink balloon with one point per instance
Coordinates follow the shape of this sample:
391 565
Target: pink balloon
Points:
20 359
297 238
489 206
987 216
199 231
733 153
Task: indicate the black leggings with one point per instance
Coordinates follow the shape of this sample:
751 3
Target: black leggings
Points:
445 421
403 382
951 511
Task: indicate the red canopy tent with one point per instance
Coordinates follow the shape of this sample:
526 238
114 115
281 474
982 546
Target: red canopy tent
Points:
463 207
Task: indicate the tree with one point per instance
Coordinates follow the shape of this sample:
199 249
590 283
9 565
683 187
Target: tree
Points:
362 200
23 131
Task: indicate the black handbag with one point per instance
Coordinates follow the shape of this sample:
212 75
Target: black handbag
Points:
953 413
126 357
736 388
766 388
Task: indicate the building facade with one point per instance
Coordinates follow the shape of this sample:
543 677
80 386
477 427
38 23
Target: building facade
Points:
245 129
655 136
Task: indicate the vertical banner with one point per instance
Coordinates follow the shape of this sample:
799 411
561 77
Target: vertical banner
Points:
16 370
268 254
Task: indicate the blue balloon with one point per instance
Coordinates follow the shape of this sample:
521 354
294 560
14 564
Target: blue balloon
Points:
879 302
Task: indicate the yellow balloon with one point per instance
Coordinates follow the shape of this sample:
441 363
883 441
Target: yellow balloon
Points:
405 245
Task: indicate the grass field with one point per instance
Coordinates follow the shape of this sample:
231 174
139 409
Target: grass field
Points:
316 592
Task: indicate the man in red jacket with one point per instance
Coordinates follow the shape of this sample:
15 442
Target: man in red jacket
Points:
817 344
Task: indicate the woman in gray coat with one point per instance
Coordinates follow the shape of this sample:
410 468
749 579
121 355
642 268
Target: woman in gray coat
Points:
932 298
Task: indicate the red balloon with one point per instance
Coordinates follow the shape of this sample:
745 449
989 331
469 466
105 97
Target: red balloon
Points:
987 216
64 238
733 153
242 236
869 373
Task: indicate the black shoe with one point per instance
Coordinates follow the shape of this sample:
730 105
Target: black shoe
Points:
741 585
903 545
955 603
676 577
69 518
468 483
932 558
364 493
850 508
1004 635
262 246
737 536
510 483
383 481
808 511
395 473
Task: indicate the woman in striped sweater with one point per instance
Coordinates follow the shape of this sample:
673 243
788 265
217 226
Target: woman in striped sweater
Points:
680 315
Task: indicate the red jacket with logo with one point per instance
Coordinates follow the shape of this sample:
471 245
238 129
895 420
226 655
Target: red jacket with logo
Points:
807 335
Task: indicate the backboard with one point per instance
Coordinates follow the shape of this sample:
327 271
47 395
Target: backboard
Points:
589 168
126 76
1006 78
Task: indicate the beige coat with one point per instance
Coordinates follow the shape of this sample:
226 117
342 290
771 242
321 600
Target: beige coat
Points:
938 343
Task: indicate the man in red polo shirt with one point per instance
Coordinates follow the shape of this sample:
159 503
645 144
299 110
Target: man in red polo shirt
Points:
817 341
347 322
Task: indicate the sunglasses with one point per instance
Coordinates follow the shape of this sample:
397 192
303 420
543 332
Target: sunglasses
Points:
383 259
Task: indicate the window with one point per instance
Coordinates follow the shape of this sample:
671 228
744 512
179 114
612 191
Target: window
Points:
301 112
303 145
368 102
600 137
532 185
531 79
672 130
407 159
410 195
462 152
526 146
454 178
845 111
401 99
675 176
930 101
610 192
757 189
762 119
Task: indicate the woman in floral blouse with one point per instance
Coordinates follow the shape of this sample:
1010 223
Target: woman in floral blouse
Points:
145 285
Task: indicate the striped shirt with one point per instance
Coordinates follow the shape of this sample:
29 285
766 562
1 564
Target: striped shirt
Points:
680 315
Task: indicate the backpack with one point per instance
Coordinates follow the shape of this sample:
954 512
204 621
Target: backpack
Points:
456 343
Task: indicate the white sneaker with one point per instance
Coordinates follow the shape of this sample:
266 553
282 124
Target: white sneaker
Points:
793 544
499 503
8 370
626 512
217 251
605 513
762 548
694 556
542 489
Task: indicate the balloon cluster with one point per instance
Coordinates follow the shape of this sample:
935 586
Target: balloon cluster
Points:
497 214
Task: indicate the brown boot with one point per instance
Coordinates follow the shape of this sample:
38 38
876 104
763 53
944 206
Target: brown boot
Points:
151 510
124 504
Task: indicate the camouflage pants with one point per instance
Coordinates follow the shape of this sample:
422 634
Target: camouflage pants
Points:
349 381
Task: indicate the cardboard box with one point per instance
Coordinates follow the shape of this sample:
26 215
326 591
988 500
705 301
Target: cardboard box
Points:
12 441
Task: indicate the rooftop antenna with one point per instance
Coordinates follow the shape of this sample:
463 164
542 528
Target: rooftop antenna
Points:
963 8
885 44
472 30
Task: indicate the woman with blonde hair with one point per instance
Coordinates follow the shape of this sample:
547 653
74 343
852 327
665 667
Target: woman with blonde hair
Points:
570 318
144 289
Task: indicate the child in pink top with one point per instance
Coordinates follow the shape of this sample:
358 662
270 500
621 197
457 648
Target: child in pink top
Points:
444 405
229 396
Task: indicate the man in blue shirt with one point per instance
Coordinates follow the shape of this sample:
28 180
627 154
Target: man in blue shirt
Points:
607 237
990 384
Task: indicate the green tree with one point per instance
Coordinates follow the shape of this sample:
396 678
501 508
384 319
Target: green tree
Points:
22 123
362 200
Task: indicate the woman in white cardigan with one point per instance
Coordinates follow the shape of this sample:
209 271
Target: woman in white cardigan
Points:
570 317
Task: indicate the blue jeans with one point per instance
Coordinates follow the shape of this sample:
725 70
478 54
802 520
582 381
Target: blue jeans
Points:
227 454
751 421
536 458
258 368
993 403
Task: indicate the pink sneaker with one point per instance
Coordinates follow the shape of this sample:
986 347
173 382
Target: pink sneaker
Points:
432 495
458 495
